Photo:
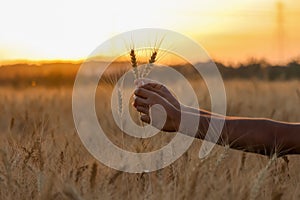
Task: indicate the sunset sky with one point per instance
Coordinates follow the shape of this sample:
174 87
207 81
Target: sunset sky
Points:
231 30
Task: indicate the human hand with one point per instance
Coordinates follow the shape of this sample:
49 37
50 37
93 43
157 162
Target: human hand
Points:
155 108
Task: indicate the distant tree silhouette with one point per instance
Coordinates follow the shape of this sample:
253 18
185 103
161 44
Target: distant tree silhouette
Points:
63 74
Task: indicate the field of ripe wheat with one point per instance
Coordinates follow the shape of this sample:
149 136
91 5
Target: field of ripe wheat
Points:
42 157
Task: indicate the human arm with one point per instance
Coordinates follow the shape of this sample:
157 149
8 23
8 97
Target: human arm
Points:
257 135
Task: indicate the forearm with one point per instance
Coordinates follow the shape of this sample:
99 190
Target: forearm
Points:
254 135
263 136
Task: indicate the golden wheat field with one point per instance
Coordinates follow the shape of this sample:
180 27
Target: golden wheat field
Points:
42 156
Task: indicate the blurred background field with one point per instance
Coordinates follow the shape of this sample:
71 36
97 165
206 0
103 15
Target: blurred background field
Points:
42 156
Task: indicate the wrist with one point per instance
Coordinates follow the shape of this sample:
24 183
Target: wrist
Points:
183 107
189 124
176 119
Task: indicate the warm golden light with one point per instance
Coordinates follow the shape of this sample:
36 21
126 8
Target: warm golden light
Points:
231 31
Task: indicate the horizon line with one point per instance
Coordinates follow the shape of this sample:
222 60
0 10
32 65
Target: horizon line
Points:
10 62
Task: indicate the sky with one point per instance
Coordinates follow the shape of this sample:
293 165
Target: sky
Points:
230 31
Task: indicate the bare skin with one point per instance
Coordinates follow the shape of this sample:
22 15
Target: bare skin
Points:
258 135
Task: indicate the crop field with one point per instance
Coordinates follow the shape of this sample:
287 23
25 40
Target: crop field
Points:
42 156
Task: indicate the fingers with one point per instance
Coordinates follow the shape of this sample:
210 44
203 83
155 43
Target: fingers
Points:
146 96
141 92
155 87
140 102
146 119
160 90
140 99
143 109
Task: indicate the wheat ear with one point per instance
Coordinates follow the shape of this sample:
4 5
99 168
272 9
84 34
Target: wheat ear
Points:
134 64
149 66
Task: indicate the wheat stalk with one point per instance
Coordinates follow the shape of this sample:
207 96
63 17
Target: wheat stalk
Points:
7 166
135 70
260 178
223 156
71 193
46 193
120 112
136 76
